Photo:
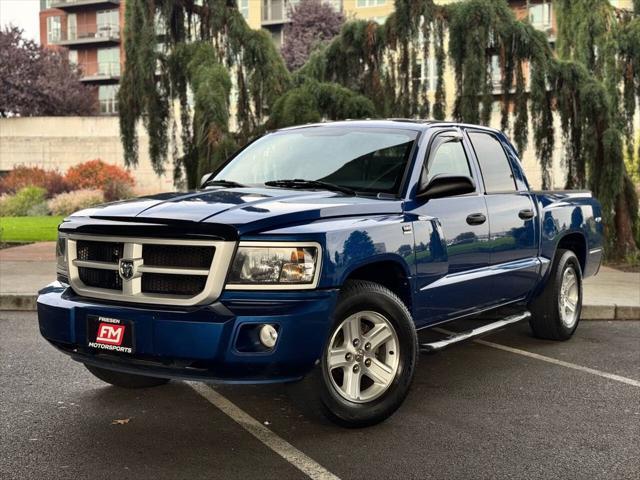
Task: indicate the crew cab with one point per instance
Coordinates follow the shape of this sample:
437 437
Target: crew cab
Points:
322 249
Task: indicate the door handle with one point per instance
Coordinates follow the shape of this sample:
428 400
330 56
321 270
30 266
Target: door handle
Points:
526 214
476 219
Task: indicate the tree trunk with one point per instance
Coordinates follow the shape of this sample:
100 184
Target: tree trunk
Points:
625 241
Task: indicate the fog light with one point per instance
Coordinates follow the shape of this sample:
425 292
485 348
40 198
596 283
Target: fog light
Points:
268 335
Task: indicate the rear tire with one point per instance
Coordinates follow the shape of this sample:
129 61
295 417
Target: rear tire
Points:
370 357
556 311
125 380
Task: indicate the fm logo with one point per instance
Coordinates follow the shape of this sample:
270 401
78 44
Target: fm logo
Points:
110 334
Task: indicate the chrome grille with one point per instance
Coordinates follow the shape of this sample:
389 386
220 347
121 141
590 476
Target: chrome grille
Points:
99 251
187 256
98 278
172 284
148 270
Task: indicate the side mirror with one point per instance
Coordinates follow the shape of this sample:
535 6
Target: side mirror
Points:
444 185
204 178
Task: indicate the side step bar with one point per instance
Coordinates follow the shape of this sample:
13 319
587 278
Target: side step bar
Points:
476 332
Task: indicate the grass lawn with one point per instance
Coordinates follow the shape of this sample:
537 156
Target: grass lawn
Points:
28 229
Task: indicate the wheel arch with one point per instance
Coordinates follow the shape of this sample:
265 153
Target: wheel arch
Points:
386 271
577 243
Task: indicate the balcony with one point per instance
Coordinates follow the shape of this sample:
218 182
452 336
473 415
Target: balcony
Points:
89 35
73 5
99 72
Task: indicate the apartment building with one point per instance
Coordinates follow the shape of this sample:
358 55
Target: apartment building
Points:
91 31
273 15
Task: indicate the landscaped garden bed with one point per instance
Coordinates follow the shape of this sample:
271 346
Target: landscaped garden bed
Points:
33 201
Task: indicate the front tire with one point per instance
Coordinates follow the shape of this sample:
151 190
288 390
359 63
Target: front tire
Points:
125 380
556 312
370 357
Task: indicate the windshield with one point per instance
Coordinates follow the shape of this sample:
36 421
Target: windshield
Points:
369 160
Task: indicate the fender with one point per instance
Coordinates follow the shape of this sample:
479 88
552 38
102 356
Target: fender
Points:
395 258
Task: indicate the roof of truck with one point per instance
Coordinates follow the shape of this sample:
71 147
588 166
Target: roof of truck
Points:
404 123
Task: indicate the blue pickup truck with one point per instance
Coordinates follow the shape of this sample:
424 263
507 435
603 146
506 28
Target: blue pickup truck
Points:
322 249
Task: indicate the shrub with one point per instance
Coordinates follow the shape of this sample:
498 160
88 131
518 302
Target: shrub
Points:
67 203
96 174
116 189
23 176
39 210
25 199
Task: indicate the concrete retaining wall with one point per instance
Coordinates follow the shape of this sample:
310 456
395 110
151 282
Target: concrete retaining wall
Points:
60 142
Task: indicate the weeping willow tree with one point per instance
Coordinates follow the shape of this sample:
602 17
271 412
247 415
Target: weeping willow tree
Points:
387 63
182 59
597 85
312 101
592 83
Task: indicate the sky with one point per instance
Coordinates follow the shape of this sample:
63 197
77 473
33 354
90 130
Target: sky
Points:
23 14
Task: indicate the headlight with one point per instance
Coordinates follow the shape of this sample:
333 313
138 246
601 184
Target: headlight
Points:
61 258
274 265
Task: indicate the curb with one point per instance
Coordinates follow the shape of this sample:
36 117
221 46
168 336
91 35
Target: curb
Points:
589 312
18 302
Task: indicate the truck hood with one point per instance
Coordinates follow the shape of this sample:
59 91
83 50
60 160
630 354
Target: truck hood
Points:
247 210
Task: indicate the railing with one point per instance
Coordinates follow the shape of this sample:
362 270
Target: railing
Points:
90 32
99 69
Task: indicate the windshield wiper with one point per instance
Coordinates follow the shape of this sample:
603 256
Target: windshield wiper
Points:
300 183
222 183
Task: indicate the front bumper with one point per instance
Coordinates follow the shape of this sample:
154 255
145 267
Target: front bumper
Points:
200 342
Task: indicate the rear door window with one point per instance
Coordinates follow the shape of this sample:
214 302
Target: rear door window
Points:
494 164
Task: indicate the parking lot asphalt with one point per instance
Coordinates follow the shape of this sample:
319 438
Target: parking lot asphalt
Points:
475 411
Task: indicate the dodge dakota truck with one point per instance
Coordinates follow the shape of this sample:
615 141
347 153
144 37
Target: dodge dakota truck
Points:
322 249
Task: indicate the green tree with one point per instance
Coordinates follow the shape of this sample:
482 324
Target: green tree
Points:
177 47
597 83
593 84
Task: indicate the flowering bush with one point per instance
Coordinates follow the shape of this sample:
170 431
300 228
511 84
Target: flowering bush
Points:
26 200
67 203
23 176
97 174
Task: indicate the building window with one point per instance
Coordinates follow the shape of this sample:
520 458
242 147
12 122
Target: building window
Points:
72 26
277 36
73 57
109 62
275 10
496 72
336 4
108 23
243 6
428 73
370 3
54 29
540 15
108 98
432 74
